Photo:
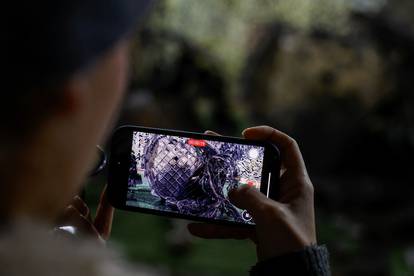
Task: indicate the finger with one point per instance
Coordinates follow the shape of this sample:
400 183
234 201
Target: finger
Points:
211 231
291 156
104 216
209 132
74 218
290 193
81 206
252 200
67 215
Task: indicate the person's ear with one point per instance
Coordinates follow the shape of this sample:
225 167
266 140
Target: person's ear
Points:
74 96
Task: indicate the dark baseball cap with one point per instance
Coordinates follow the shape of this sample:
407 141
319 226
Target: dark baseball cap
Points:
47 41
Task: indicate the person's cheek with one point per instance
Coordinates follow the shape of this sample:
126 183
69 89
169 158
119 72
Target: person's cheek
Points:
120 79
123 69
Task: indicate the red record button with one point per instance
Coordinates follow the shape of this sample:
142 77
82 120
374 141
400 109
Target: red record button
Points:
250 183
196 142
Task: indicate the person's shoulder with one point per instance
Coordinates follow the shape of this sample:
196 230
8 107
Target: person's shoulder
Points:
28 248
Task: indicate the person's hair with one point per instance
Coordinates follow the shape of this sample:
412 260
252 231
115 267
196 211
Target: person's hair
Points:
22 111
45 43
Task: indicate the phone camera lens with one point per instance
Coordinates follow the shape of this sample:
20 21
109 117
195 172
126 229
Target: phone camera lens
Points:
246 216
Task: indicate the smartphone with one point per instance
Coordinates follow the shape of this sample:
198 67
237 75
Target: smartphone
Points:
188 175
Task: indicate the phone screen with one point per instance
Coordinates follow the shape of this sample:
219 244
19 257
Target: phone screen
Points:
191 176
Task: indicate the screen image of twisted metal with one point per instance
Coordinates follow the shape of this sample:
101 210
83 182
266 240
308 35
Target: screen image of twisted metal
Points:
191 176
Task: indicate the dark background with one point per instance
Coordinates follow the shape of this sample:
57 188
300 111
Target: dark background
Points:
335 75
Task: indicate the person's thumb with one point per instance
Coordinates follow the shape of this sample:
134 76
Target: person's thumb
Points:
252 200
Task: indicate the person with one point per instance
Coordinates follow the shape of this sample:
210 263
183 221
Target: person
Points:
66 71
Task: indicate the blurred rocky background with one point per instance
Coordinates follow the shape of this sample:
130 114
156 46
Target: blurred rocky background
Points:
338 75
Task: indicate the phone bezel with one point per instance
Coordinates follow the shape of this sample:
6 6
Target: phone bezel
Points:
119 165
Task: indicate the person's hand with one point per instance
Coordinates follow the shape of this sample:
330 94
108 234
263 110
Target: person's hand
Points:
282 226
78 220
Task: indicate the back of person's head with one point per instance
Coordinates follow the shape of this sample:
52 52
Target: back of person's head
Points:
65 69
48 42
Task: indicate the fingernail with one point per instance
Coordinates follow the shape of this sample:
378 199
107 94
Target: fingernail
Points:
246 130
240 186
243 185
70 210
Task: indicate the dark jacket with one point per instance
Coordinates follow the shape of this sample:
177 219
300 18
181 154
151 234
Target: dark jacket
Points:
312 261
